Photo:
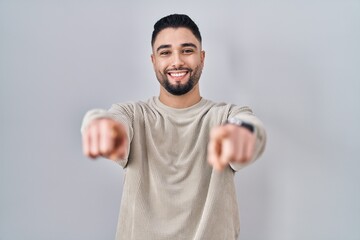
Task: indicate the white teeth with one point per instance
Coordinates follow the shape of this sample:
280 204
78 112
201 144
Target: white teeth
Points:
178 74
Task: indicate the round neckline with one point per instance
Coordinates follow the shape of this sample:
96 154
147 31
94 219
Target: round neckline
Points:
192 110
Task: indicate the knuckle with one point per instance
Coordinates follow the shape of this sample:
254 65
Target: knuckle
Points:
244 159
104 150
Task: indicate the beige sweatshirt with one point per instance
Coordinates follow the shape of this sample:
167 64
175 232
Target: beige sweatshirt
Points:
170 191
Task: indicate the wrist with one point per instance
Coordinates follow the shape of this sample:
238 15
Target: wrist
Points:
240 123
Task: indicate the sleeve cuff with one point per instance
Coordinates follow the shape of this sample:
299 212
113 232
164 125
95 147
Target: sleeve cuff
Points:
92 115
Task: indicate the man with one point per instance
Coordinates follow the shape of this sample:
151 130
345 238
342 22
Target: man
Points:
179 150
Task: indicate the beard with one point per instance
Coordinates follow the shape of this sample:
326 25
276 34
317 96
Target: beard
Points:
179 89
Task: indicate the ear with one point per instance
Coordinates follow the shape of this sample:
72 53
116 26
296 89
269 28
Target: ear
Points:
202 56
153 59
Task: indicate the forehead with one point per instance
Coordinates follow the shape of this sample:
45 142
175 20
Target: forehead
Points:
175 37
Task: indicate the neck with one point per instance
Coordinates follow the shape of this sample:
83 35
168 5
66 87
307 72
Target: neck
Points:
187 100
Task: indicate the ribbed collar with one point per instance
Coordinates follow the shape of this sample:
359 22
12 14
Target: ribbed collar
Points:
180 112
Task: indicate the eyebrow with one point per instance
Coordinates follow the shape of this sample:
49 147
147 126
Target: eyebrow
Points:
182 45
188 45
163 46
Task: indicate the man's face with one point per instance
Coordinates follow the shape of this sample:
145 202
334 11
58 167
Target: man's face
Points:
178 60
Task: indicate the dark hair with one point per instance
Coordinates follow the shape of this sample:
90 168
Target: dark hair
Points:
175 21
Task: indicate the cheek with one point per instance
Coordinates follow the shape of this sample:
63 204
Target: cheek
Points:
161 67
195 62
157 64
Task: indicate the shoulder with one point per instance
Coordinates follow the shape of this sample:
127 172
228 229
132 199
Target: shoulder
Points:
133 108
130 105
228 107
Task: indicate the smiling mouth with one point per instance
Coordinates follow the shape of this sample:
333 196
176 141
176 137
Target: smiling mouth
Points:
178 75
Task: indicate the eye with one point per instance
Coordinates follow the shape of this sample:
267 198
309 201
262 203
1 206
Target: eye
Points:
188 51
164 53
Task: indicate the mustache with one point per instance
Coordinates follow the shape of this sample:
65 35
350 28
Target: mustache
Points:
178 69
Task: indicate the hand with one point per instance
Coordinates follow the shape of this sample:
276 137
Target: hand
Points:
105 137
230 143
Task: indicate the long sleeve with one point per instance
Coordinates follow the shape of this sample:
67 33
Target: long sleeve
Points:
92 115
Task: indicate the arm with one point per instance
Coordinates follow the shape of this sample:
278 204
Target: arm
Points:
236 145
104 135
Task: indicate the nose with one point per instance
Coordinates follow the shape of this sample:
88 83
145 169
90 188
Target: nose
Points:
177 60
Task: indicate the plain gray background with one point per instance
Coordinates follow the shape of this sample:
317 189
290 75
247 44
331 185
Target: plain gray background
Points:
296 63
